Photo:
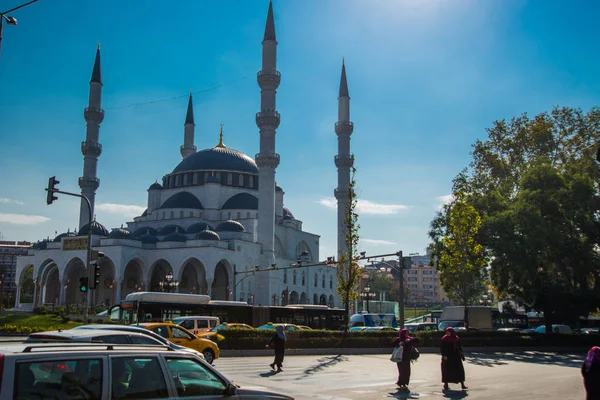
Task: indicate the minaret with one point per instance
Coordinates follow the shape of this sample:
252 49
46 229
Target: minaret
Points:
344 160
267 159
91 148
188 131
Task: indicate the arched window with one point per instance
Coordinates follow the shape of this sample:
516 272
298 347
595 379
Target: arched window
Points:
294 278
163 216
177 180
181 214
191 213
229 215
185 180
331 282
230 179
251 181
195 179
316 280
303 278
248 215
239 215
284 276
323 282
241 180
172 214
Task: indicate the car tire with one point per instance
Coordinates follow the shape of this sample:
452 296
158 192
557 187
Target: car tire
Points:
209 356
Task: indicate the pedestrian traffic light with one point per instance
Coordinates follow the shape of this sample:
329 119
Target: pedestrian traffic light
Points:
83 285
94 262
52 182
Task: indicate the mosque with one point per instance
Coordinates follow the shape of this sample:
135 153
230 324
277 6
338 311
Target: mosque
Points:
216 215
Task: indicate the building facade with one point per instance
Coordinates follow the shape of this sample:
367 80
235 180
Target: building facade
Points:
9 284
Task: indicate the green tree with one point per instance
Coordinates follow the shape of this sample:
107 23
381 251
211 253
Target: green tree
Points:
380 282
27 286
348 270
461 260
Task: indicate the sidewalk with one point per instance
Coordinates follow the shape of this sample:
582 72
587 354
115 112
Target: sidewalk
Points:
388 350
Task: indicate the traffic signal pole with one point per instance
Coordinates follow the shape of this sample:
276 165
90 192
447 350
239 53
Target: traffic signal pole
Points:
52 182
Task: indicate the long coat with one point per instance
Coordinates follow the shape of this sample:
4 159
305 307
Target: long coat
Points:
591 381
404 365
453 370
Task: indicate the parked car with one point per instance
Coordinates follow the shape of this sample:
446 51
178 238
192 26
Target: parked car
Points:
90 335
556 328
590 331
422 326
183 337
106 372
215 331
128 328
271 326
197 324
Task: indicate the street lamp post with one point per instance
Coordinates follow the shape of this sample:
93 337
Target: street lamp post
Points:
367 295
10 20
169 284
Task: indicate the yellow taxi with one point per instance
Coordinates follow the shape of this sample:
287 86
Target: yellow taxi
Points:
182 337
214 334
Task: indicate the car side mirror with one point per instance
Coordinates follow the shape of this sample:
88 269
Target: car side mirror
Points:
230 390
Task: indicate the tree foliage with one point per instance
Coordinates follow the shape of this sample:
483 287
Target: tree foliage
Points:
27 286
348 270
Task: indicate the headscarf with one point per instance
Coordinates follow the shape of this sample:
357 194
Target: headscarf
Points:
403 335
593 357
280 331
450 336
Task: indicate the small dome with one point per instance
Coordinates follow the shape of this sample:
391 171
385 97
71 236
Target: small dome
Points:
287 218
97 229
155 186
119 233
175 237
40 245
241 201
231 226
199 227
287 212
148 239
207 235
278 188
144 231
63 235
168 229
183 200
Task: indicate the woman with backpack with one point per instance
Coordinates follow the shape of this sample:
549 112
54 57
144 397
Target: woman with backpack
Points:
408 354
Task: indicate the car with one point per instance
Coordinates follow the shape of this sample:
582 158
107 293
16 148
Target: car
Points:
214 332
556 328
108 371
590 331
271 326
421 327
89 335
380 329
357 328
183 337
197 324
509 330
128 328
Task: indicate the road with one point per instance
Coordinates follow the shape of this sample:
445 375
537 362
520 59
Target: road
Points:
528 375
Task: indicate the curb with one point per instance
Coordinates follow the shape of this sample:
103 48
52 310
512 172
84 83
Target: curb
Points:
388 350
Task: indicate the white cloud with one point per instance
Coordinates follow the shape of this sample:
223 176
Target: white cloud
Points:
367 207
443 200
378 242
10 201
22 219
121 209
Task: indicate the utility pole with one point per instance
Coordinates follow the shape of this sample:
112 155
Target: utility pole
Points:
401 288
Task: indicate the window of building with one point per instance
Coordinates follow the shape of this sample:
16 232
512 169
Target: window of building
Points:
251 181
323 281
316 280
195 179
331 282
181 214
412 271
239 215
248 215
294 278
284 276
241 180
229 179
413 279
185 180
303 279
172 214
191 213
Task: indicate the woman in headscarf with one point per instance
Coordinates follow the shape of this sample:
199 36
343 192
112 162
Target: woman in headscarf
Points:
278 343
453 370
591 373
407 344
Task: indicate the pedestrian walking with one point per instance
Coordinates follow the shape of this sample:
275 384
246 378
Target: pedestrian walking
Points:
407 343
278 343
453 370
591 374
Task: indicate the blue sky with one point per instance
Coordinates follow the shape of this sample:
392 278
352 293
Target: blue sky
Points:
426 79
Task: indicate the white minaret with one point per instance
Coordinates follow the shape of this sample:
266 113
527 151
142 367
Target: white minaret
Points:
188 131
91 148
344 160
267 160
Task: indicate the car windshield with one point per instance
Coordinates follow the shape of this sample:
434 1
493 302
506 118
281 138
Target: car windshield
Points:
445 324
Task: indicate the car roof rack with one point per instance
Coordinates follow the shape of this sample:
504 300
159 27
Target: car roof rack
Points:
94 346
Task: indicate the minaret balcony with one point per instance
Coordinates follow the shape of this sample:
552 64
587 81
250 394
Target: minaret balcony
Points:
341 194
89 182
187 149
344 127
93 114
267 119
344 161
267 160
268 79
93 149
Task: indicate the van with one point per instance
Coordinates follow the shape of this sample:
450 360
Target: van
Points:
480 318
196 324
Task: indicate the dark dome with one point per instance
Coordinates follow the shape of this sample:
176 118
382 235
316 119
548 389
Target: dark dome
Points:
217 158
183 200
119 233
278 188
144 231
66 234
231 226
97 229
40 245
168 229
147 238
287 213
207 235
242 201
175 237
199 226
155 186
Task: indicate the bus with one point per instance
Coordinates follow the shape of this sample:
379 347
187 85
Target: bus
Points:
158 306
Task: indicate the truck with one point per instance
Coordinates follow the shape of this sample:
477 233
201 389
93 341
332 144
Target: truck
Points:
479 318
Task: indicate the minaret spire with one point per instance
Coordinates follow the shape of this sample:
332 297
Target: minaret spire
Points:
188 130
91 148
221 144
344 161
267 160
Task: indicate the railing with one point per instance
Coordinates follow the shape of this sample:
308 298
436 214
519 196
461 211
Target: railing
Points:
268 73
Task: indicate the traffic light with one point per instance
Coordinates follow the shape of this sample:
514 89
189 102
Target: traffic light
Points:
94 262
52 182
83 285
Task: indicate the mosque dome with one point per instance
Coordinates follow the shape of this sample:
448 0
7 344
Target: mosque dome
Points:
58 238
119 233
217 159
241 201
97 229
175 237
183 200
207 235
144 231
148 238
287 213
168 229
155 186
199 227
230 226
